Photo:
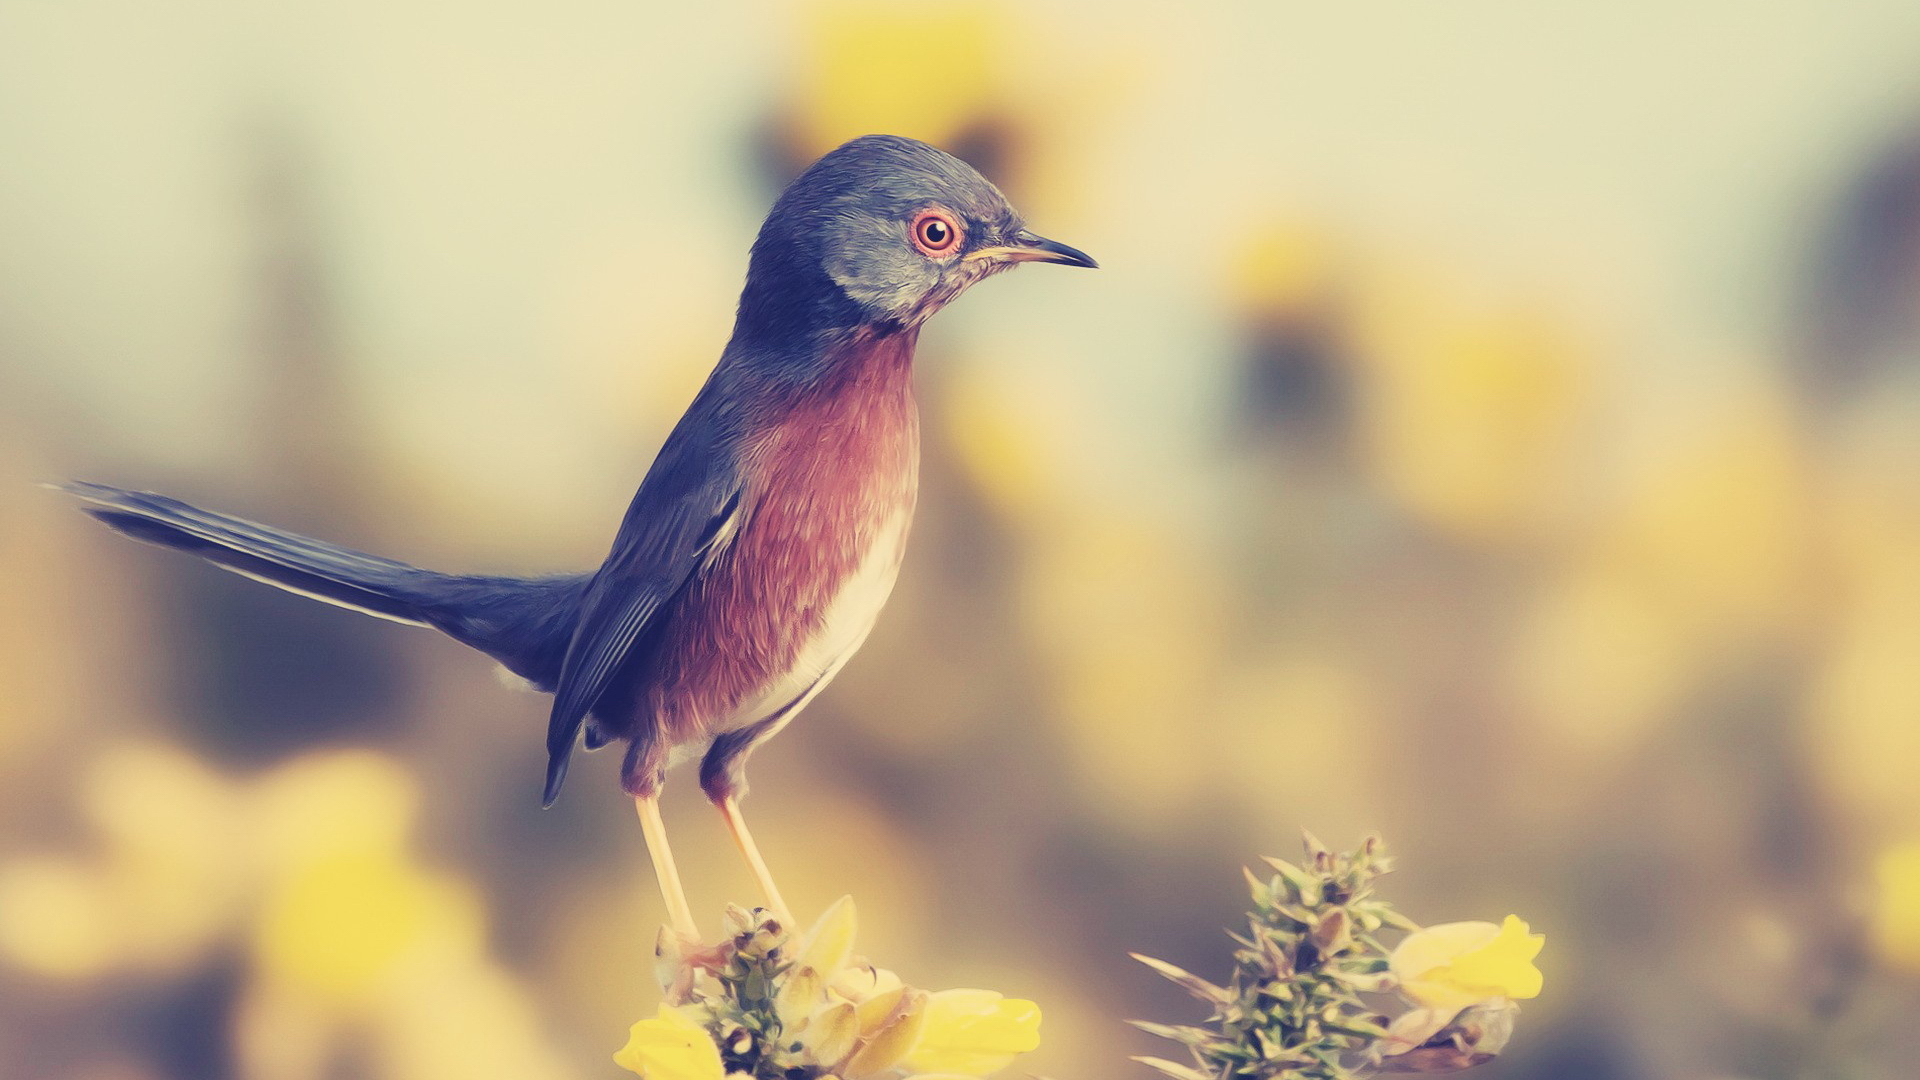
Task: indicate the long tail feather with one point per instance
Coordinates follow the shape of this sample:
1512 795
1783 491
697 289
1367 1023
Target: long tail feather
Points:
524 623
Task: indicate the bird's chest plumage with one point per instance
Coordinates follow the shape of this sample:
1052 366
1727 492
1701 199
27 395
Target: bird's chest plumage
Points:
804 571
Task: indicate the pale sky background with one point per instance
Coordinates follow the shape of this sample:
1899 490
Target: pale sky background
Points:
532 214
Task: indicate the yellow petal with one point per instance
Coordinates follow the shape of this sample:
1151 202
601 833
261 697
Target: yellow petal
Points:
889 1047
858 982
879 1010
1506 962
831 1034
974 1032
798 995
1454 965
670 1047
829 945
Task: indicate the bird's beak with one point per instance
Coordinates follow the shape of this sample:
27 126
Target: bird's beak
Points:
1026 247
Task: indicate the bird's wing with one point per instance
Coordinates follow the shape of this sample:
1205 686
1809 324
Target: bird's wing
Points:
684 511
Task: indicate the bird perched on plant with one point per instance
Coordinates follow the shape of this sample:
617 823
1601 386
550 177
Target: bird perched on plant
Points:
767 534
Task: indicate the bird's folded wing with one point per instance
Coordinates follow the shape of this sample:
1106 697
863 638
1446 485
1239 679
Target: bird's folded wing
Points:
683 512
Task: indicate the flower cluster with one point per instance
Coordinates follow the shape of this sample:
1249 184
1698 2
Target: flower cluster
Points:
760 1005
1896 913
1294 1007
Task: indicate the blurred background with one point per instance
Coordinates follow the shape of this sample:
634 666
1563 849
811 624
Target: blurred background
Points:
1495 424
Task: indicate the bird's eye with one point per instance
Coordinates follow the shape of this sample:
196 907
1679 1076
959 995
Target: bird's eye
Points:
935 233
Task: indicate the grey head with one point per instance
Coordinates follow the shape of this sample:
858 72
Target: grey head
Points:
883 231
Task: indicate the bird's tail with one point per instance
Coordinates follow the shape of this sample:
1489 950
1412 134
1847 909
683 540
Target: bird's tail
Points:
525 623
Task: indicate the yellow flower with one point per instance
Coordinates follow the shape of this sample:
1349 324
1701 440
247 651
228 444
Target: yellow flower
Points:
859 982
1454 965
795 1002
888 1037
1896 914
846 1014
670 1047
828 946
974 1033
842 1017
830 1035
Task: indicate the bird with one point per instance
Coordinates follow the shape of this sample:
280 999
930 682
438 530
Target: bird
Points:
768 531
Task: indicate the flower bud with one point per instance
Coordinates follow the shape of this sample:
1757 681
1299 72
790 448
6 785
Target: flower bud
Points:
1473 1037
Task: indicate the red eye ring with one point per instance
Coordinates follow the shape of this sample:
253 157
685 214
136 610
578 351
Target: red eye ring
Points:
935 233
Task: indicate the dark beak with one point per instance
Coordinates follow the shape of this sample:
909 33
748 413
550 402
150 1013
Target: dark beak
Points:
1026 247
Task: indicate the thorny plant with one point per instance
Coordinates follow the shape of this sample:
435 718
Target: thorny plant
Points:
1298 1004
760 1004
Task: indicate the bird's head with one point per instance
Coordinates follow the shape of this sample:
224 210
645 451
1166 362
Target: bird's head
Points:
885 230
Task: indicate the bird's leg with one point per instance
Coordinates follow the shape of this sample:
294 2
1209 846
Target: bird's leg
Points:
722 780
742 839
678 912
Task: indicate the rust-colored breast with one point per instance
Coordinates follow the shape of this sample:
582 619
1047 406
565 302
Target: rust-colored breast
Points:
830 490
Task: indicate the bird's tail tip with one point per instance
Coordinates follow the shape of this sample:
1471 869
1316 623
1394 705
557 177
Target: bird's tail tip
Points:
82 488
556 776
98 494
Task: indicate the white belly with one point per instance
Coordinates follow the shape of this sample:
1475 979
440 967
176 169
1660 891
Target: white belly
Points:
841 631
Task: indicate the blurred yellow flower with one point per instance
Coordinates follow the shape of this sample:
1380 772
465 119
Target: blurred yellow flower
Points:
1714 523
868 68
1862 704
974 1033
312 867
1126 649
341 927
1288 265
162 886
1469 412
170 828
670 1047
1005 430
55 919
346 907
322 804
1896 912
1454 965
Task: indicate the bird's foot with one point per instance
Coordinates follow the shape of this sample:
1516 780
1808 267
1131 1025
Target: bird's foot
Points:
680 960
682 963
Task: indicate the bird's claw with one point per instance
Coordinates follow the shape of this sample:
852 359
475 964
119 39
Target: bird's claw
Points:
679 959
